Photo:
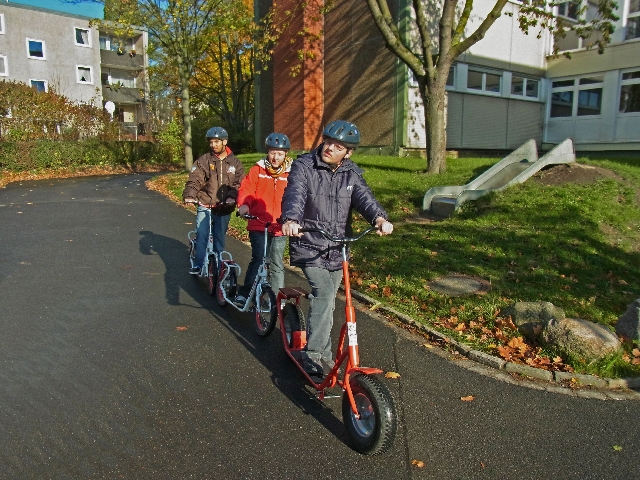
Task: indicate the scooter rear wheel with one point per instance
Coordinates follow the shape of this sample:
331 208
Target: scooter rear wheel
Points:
294 321
226 285
266 312
373 433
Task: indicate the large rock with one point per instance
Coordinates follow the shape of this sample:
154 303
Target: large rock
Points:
628 325
580 338
532 317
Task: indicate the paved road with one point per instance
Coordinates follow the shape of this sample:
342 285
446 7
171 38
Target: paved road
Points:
96 381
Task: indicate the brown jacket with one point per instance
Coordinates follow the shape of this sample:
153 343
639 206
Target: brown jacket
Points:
212 180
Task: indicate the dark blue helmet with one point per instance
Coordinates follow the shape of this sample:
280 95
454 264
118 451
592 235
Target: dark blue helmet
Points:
278 141
217 132
343 131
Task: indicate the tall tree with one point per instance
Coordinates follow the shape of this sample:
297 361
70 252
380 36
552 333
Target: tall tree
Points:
180 32
429 50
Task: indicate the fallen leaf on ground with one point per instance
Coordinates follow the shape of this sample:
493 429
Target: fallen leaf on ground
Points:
468 398
617 448
417 463
182 328
392 375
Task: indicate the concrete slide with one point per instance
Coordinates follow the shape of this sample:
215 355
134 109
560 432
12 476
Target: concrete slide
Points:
517 167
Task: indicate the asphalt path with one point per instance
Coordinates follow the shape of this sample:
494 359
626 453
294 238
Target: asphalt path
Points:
100 379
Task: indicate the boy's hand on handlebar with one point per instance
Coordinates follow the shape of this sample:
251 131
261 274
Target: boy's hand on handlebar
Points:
190 200
243 210
291 229
384 227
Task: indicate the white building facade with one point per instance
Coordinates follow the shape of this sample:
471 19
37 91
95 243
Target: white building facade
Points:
47 49
509 88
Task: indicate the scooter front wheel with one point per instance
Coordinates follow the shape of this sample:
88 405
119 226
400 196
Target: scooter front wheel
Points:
266 312
227 282
373 433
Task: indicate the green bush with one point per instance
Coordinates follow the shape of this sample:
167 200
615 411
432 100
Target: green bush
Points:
21 156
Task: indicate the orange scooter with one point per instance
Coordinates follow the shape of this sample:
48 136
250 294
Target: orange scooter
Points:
368 410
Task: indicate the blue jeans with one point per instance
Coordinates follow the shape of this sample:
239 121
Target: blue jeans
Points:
219 226
275 251
322 302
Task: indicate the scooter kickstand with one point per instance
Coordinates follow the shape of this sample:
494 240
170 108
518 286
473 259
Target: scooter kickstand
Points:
322 395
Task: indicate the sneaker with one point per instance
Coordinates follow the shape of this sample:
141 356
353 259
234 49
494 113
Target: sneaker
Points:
312 368
240 300
195 270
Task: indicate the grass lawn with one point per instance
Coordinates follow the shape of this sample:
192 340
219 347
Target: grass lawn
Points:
576 245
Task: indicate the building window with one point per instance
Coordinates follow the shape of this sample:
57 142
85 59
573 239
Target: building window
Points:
83 37
3 66
633 20
588 92
630 92
39 85
569 9
589 101
85 75
451 77
35 49
1 23
484 81
525 86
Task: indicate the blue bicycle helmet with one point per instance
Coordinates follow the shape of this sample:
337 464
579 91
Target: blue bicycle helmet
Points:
278 141
217 132
343 131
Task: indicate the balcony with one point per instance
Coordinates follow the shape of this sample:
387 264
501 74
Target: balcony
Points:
122 95
109 58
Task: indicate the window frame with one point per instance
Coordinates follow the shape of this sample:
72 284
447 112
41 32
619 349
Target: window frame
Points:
578 5
5 73
582 84
635 17
89 39
45 82
1 23
526 80
78 76
484 72
625 82
44 49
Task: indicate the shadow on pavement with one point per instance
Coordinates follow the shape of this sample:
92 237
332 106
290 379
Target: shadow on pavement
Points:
268 351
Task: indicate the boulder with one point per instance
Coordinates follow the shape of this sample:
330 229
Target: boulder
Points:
580 338
532 317
628 325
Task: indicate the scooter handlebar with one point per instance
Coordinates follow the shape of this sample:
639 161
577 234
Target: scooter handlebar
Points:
330 237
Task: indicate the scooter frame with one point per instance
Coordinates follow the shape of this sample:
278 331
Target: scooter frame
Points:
261 299
209 269
367 406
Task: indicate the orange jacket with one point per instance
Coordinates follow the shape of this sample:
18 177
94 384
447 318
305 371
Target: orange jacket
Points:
262 193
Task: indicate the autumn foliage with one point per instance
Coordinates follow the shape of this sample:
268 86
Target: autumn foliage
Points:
27 114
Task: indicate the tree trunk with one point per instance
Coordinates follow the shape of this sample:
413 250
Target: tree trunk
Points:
435 118
186 122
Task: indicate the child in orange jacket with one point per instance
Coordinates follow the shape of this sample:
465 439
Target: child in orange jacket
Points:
260 195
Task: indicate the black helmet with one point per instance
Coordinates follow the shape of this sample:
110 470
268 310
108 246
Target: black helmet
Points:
278 141
343 131
217 132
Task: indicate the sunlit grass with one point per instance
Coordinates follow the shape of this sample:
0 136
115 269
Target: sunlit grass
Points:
574 245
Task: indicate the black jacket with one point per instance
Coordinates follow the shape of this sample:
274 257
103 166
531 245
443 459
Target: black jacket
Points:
317 197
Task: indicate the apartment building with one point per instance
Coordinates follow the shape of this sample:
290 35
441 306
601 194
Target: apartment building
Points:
504 90
50 49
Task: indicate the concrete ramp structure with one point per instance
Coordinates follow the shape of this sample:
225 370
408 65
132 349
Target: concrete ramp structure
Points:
515 168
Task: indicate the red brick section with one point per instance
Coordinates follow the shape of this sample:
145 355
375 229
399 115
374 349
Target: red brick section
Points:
299 105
